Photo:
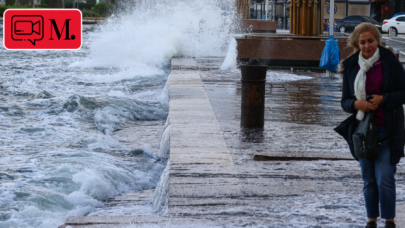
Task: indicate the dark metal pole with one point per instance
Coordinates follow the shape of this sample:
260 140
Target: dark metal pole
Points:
256 11
253 91
261 11
284 18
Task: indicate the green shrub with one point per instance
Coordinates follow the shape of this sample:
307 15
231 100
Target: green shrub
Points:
103 9
82 6
89 13
68 4
42 5
20 7
2 9
86 6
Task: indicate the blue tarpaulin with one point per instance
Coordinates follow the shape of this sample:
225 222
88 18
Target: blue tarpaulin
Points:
330 55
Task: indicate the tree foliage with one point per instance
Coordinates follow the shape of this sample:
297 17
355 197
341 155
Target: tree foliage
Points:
55 3
10 2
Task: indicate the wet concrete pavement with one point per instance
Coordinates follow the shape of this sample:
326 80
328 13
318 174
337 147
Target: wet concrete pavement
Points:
297 153
299 121
297 172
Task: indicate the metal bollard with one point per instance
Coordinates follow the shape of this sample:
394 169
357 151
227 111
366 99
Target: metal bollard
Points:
253 91
390 32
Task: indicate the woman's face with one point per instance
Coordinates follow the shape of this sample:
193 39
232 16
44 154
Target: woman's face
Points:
368 44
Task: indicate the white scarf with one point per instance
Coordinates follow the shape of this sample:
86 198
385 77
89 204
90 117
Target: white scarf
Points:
360 82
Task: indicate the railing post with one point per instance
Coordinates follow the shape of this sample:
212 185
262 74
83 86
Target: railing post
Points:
253 94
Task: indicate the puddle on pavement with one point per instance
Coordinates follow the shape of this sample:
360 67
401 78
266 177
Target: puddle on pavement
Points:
299 116
315 101
252 135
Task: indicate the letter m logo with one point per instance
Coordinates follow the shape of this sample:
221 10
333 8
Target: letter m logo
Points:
57 31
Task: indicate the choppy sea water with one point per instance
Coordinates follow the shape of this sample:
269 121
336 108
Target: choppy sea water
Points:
63 113
58 153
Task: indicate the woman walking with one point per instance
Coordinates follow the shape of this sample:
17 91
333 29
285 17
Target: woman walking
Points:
373 76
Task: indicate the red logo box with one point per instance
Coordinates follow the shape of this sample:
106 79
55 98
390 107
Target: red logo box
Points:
42 29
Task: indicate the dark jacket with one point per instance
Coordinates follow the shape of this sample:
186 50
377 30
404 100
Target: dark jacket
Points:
394 91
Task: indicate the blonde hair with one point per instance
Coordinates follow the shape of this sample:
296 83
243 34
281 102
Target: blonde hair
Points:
353 40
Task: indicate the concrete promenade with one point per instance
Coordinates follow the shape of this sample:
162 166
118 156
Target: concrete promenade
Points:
295 173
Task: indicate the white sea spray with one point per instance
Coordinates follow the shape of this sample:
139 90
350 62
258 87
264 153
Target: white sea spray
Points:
230 62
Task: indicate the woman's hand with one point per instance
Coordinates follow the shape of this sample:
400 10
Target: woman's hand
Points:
364 106
376 100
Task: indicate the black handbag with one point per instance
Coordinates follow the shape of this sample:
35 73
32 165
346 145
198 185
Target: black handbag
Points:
365 140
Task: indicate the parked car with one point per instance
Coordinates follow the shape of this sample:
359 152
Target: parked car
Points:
350 22
396 23
398 14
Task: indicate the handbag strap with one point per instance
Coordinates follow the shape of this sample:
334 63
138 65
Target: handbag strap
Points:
373 113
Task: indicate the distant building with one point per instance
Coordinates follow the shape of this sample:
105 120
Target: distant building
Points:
377 9
277 10
346 8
